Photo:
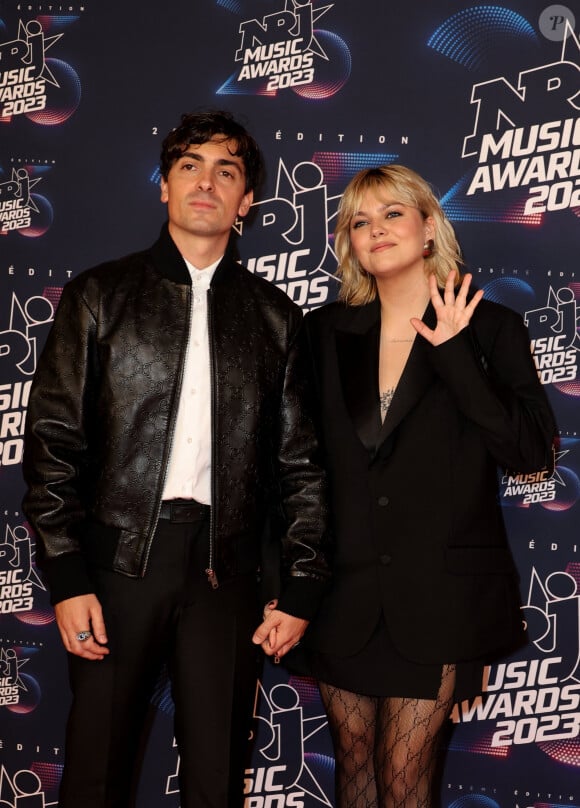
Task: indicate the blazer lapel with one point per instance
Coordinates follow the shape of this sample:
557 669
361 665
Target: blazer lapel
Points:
415 379
357 347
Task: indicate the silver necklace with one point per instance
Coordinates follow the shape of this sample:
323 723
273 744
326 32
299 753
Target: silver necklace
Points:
385 399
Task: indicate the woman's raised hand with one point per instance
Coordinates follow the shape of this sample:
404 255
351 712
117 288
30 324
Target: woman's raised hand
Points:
452 310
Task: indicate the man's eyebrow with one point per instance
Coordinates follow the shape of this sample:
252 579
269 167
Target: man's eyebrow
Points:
222 161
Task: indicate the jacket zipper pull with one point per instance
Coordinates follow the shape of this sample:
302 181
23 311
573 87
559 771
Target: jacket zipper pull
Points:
212 578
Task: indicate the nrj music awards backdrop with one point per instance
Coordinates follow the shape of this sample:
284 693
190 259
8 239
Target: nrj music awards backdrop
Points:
483 100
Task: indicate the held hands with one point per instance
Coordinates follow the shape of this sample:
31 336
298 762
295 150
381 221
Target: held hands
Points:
78 616
279 632
453 311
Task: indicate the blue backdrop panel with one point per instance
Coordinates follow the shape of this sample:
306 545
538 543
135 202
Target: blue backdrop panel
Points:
481 99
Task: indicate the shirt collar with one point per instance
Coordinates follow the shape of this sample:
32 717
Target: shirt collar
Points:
201 278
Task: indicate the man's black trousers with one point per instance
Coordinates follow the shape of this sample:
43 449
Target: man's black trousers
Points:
171 616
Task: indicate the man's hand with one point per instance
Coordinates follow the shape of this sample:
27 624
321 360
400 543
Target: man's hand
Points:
79 615
279 632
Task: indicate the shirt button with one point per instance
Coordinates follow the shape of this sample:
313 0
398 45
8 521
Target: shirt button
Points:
385 559
190 440
383 501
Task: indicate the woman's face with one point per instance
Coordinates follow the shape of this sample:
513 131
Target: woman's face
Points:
388 237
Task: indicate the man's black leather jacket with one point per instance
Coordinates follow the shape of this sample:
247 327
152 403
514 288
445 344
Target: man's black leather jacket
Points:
102 413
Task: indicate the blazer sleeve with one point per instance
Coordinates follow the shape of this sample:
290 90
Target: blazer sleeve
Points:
489 368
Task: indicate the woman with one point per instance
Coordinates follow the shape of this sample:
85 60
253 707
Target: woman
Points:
424 390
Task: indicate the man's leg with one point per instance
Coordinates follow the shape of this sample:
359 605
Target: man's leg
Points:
214 675
110 702
111 697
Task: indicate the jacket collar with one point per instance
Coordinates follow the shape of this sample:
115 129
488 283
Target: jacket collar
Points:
357 346
169 263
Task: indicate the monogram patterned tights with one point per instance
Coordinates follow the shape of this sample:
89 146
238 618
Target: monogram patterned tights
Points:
386 748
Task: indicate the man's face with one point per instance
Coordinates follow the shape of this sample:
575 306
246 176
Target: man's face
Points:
205 191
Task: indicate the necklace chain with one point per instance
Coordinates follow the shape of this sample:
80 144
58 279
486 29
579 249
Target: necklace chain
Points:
385 399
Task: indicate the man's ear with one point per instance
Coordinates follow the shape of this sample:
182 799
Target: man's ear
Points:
245 204
164 194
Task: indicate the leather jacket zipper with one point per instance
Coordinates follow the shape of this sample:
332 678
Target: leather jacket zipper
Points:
210 571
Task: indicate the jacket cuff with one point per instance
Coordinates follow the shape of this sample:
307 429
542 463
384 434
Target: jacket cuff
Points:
301 596
67 577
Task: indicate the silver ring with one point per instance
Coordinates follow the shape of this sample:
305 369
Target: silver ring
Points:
83 636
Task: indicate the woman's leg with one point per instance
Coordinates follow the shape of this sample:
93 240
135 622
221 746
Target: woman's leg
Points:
407 742
351 719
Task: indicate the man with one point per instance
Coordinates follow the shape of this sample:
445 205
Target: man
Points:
167 430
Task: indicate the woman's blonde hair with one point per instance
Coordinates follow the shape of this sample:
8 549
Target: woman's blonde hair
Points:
402 184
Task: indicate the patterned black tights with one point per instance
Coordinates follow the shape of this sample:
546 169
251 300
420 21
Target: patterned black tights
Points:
386 748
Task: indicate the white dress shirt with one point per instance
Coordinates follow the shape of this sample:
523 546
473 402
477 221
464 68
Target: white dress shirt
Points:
189 469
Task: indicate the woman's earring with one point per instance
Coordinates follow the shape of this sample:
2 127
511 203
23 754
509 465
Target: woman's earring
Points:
428 248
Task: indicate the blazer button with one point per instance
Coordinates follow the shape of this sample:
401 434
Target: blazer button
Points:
385 559
383 501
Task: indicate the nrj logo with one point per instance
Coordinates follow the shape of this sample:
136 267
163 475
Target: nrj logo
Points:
554 339
29 323
18 577
287 242
11 683
285 50
17 206
538 700
552 615
526 133
23 788
26 74
285 773
555 490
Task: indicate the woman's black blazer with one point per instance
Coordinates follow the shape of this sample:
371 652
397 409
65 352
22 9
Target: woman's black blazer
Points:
418 525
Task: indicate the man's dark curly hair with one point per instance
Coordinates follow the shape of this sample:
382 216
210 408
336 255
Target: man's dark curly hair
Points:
199 127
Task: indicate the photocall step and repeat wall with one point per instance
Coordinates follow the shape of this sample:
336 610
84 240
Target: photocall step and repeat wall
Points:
483 100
